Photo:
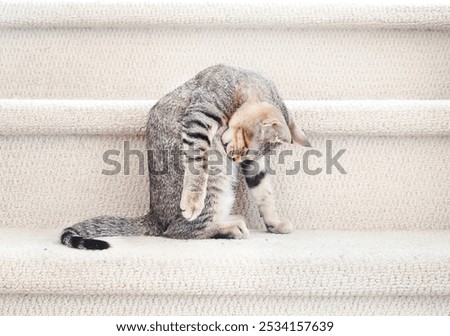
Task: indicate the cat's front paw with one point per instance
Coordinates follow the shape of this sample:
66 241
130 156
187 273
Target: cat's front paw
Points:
280 227
192 204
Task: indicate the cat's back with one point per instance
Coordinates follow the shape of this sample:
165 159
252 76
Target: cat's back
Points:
224 86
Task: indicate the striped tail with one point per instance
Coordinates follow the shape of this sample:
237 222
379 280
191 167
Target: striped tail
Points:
70 237
82 235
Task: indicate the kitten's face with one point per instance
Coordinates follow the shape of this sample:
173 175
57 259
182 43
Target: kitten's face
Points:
254 130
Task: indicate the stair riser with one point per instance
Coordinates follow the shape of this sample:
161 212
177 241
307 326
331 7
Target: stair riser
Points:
305 63
391 183
21 304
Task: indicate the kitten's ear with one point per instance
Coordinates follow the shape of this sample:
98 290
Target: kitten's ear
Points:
270 122
282 130
297 135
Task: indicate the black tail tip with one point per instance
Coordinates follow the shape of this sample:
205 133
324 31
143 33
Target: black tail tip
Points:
95 244
83 243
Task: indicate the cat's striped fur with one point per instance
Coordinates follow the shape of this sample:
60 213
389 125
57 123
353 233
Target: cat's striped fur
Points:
237 113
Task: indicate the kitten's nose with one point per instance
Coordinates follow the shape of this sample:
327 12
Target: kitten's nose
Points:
237 158
236 154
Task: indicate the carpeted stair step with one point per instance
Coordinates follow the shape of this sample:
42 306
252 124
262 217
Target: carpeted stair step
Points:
412 267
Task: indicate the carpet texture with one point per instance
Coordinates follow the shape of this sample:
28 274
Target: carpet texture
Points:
305 263
386 150
93 13
308 272
112 304
146 63
78 79
129 117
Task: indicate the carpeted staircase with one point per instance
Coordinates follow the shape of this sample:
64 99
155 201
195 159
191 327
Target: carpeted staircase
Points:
77 80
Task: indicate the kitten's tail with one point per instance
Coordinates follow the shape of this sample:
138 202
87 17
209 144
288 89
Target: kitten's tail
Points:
81 235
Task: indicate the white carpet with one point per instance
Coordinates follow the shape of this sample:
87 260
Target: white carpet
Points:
305 263
145 13
128 117
57 147
325 62
112 304
308 272
77 79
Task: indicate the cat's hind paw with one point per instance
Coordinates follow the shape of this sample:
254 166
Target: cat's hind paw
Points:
233 229
280 227
242 230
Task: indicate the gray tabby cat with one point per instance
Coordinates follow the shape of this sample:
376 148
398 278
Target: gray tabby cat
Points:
229 111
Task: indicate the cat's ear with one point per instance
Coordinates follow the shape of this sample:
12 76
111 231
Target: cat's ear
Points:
270 122
282 130
297 135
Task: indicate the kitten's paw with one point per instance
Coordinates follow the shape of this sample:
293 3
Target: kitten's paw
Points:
236 229
232 228
242 226
280 227
192 205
